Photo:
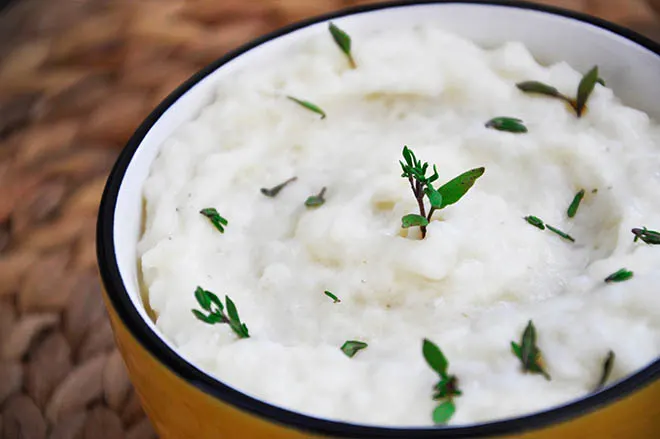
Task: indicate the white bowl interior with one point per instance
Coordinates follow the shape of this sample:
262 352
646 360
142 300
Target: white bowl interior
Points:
630 69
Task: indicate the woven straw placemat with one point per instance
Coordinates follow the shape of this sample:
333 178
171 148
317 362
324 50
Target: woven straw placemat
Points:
76 77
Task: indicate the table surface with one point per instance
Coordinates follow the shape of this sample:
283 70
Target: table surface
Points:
76 77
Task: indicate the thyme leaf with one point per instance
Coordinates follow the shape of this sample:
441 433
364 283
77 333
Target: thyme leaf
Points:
575 204
585 88
539 88
536 222
352 347
334 298
509 124
564 235
412 220
619 276
443 412
212 214
311 107
608 365
343 40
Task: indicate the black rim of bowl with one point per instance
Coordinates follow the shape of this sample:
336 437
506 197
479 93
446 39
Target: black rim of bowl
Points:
122 304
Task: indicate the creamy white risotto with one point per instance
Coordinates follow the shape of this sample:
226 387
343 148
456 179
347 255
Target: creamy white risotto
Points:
470 286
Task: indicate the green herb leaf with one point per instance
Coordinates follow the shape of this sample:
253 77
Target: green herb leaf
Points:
509 124
619 276
235 321
435 358
528 352
443 413
334 298
564 235
312 107
454 190
585 88
351 347
316 200
413 220
601 81
435 197
572 209
272 192
212 214
538 88
648 236
608 364
205 299
344 42
535 221
203 317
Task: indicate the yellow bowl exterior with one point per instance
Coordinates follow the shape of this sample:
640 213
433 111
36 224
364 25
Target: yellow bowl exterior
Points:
179 410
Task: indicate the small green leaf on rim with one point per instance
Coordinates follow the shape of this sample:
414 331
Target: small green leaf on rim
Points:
443 413
509 124
334 298
272 192
564 235
212 214
316 200
619 276
343 40
412 220
453 190
352 347
585 88
575 204
648 236
535 221
311 107
434 357
608 365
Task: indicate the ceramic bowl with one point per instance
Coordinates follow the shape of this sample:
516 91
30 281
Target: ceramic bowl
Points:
185 403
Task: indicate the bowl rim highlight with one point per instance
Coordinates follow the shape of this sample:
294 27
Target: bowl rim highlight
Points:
133 321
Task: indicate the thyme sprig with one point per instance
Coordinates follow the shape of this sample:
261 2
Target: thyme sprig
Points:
343 40
215 312
648 236
528 352
212 214
584 90
272 192
447 388
422 186
608 365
